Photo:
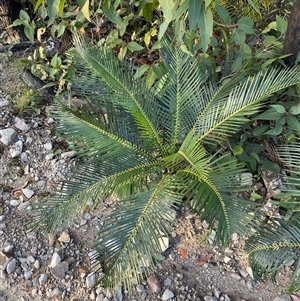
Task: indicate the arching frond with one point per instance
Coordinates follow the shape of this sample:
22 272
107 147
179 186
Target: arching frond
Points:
101 77
273 247
90 137
133 235
227 113
211 185
179 92
88 186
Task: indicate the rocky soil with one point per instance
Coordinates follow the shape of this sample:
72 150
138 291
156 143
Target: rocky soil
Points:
36 268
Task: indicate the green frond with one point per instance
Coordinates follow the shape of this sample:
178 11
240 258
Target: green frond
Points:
179 90
88 186
290 155
90 137
212 186
273 247
101 77
132 237
229 109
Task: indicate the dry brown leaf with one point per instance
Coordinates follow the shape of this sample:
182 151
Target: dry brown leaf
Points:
18 194
39 33
83 269
22 186
183 253
204 258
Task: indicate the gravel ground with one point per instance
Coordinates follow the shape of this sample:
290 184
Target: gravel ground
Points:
58 268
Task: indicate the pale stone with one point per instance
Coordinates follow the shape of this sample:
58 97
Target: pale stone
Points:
16 149
167 295
11 266
59 271
43 279
15 203
21 125
48 146
64 237
167 282
28 192
7 136
90 280
55 260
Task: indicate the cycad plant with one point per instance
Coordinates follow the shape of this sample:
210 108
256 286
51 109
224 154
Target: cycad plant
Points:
154 148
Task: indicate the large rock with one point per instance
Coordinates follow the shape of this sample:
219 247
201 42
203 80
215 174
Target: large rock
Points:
7 136
11 266
154 284
55 260
16 149
21 125
90 280
59 271
167 295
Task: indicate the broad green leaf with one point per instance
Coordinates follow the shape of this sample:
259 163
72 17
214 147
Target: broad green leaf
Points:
150 78
238 150
195 13
53 8
23 15
206 28
293 123
269 40
110 13
61 7
181 9
281 24
156 45
38 4
125 22
180 31
122 52
133 46
147 38
223 14
61 29
239 37
255 196
252 163
168 8
85 9
255 155
17 22
278 108
29 32
270 114
260 129
295 109
185 49
141 71
276 131
268 62
245 50
162 29
272 25
237 64
207 3
246 25
147 11
274 167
